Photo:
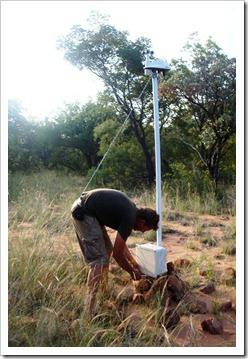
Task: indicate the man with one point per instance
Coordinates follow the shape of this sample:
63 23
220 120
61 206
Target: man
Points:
108 207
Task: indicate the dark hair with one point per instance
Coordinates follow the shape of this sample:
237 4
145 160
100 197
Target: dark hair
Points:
150 216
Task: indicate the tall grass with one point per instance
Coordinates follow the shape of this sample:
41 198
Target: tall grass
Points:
207 203
44 281
47 274
176 200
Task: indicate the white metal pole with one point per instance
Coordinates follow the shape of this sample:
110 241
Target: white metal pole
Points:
157 155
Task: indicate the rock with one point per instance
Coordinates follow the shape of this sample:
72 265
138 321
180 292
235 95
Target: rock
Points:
125 296
142 285
168 286
138 298
157 287
160 282
226 306
176 287
228 277
170 318
197 306
170 267
181 263
212 326
209 288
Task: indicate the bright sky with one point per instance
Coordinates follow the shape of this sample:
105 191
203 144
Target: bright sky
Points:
36 73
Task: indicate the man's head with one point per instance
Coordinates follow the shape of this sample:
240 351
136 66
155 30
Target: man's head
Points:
146 220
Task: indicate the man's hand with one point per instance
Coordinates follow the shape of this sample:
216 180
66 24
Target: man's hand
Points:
124 258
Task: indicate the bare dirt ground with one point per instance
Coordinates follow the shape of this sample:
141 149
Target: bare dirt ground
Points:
182 238
208 264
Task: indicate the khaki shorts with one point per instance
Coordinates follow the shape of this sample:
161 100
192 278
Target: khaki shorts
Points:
93 240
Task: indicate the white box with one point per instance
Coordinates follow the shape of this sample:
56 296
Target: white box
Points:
151 259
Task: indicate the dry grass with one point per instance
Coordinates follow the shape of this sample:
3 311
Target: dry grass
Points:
47 275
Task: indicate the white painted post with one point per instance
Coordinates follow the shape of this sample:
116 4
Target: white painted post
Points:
157 155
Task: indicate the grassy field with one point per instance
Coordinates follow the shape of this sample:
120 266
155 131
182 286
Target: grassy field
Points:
47 274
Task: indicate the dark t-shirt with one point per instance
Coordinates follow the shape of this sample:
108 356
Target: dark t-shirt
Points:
112 208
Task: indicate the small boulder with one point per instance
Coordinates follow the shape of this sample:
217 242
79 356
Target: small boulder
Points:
197 306
226 306
182 263
168 286
176 287
142 285
158 286
212 326
208 288
160 282
170 267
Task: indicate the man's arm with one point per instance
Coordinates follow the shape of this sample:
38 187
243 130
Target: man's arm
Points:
125 259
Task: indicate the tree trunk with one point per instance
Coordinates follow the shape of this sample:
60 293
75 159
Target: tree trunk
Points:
213 168
139 134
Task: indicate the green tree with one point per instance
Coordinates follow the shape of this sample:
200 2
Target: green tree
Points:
21 139
75 132
46 142
124 167
110 55
202 93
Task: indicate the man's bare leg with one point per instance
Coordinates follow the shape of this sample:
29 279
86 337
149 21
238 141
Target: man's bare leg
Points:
95 277
104 281
109 250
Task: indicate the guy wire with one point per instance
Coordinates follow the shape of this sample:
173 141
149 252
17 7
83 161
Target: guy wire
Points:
113 141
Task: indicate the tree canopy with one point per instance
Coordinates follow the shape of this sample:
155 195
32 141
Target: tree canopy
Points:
203 101
197 116
110 55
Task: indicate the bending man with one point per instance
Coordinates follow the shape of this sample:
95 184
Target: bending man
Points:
94 210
